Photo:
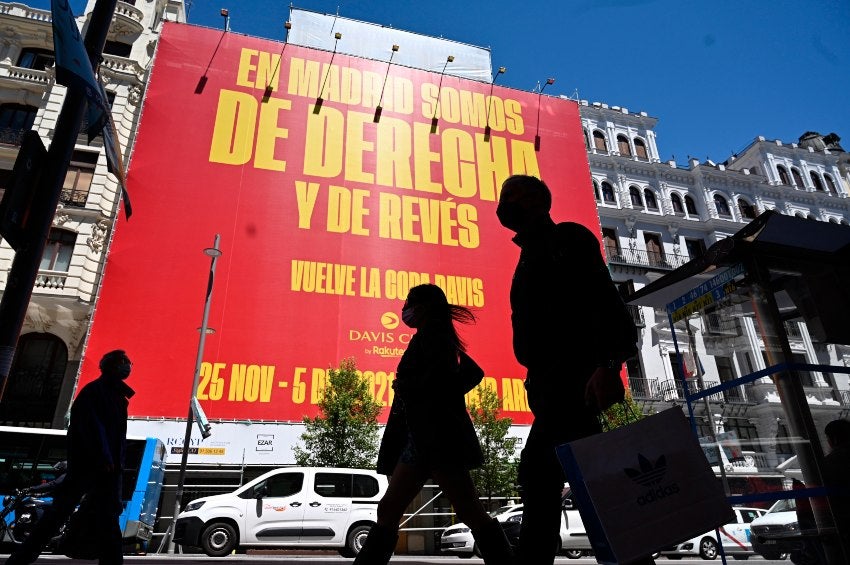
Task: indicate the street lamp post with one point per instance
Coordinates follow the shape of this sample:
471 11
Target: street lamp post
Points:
214 252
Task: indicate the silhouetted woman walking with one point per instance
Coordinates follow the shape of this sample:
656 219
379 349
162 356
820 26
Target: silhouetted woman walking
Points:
429 433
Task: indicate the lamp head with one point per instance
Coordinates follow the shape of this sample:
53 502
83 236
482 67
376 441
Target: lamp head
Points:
287 25
224 12
501 70
450 58
395 47
337 35
550 81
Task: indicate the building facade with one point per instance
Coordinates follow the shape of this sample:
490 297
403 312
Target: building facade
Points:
655 216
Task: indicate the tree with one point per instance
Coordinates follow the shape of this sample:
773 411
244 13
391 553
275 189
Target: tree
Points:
622 413
345 432
497 476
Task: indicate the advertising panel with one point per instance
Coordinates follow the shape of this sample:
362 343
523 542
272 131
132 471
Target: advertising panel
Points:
328 210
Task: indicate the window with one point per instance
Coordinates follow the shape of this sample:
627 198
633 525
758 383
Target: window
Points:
695 247
58 250
746 209
596 191
586 140
691 206
830 184
676 201
35 381
15 120
816 182
609 240
75 190
649 198
623 145
654 249
783 175
640 149
284 484
36 59
634 195
798 178
344 485
599 141
608 193
756 171
722 206
117 48
83 136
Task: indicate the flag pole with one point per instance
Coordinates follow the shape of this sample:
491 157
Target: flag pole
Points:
22 275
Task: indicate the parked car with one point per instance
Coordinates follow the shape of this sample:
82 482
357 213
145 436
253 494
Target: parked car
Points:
458 539
777 533
308 507
734 535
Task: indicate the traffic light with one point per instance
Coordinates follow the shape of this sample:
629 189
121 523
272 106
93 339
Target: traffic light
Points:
22 191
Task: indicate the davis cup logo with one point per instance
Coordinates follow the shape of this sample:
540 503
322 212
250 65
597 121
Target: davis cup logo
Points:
651 475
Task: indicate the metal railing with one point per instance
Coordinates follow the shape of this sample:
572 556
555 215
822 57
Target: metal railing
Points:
643 258
670 390
637 315
71 197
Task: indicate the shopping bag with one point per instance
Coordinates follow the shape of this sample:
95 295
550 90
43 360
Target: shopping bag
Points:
643 486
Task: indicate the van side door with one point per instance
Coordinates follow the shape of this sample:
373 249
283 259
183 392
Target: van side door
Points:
277 510
328 508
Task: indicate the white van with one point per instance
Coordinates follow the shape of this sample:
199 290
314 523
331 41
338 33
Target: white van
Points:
309 507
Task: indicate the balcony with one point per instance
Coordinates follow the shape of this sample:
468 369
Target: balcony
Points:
667 391
75 198
637 315
720 325
51 280
643 258
12 136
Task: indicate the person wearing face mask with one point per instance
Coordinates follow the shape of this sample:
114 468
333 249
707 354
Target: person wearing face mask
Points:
96 444
429 434
572 332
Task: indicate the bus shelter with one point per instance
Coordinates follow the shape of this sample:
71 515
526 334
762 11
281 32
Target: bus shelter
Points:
777 269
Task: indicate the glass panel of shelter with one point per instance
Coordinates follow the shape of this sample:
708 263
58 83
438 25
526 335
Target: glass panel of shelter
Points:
721 378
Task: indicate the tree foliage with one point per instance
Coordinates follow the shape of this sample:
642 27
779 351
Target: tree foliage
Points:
345 432
497 476
623 413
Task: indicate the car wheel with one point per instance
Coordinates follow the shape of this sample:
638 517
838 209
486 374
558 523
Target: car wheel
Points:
356 538
219 539
708 548
573 553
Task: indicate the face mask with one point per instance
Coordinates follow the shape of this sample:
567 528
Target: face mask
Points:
511 215
408 316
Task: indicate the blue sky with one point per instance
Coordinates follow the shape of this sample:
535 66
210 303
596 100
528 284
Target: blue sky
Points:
715 74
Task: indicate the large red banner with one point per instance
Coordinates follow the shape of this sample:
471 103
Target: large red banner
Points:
328 213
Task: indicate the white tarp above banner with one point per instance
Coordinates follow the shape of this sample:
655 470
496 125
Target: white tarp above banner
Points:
372 41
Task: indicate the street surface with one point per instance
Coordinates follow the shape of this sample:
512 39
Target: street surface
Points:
306 559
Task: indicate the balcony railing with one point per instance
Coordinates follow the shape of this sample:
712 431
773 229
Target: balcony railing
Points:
666 391
53 280
717 324
76 198
12 136
643 258
637 315
823 393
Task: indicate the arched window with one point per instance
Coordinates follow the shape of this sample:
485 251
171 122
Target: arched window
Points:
676 200
810 217
596 191
833 221
747 210
757 171
623 145
800 215
798 178
608 193
722 206
640 149
649 198
586 140
783 175
35 381
690 206
843 223
830 184
816 182
599 141
634 195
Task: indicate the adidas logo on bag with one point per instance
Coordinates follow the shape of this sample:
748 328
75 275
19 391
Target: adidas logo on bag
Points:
650 475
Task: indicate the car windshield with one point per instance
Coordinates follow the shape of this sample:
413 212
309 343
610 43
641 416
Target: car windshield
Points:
503 509
785 505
